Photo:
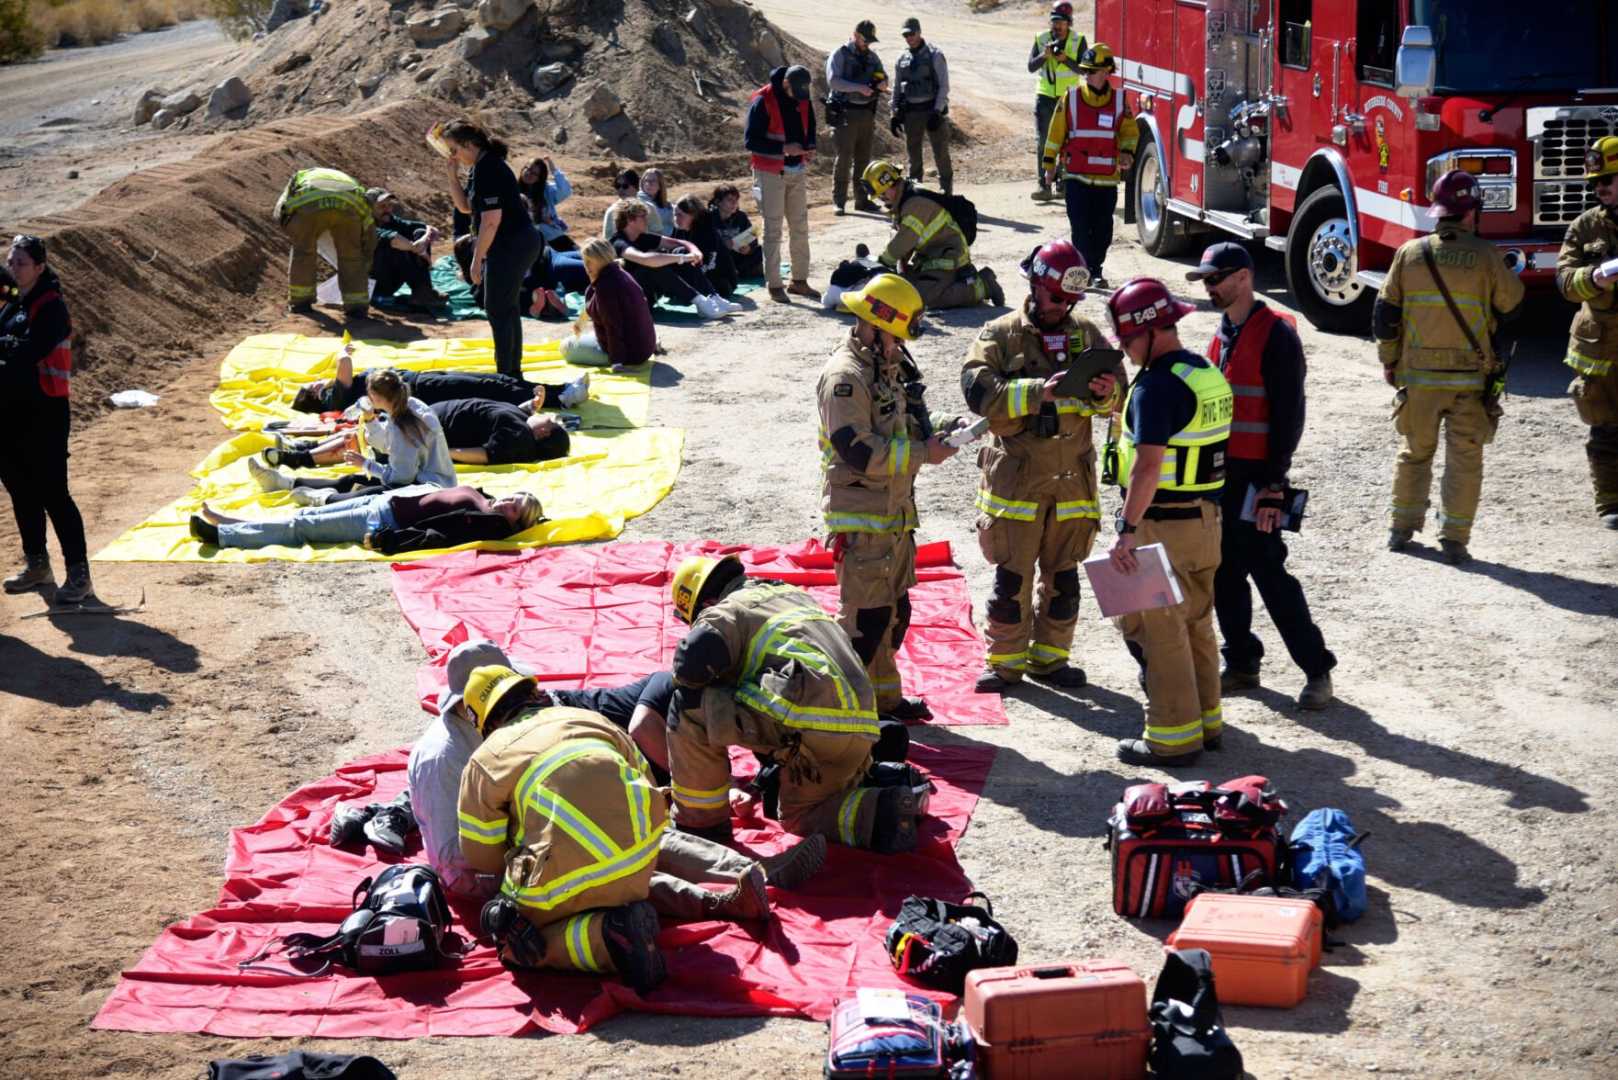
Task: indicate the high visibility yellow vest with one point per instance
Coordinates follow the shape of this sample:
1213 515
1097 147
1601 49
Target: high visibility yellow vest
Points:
326 188
1195 458
1054 80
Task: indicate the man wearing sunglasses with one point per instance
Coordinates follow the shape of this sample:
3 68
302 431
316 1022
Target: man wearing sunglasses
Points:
1587 273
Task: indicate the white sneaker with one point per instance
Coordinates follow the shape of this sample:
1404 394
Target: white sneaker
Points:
705 308
576 392
729 307
266 478
304 496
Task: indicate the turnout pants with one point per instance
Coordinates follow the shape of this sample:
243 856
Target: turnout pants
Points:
305 228
915 121
1090 209
875 573
1181 653
33 468
1419 416
1025 631
854 137
684 862
1044 109
1596 397
947 289
784 200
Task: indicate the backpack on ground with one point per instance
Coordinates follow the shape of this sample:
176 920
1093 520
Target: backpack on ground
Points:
1189 1041
891 1034
936 942
962 209
1325 855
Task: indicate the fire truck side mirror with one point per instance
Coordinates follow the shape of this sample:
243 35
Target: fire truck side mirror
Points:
1415 67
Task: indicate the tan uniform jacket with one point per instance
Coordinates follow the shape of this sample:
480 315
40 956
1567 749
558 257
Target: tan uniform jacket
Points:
870 446
1003 378
1432 350
561 800
1591 240
927 241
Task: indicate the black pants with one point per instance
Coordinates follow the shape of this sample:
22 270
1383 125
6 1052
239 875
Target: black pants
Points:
1044 109
1248 553
681 284
508 263
1089 216
343 488
33 467
393 269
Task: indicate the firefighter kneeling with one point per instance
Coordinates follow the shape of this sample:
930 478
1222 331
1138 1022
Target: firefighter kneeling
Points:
765 668
928 248
1038 493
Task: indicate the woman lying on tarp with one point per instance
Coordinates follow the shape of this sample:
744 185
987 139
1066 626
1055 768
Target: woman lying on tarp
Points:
431 387
410 519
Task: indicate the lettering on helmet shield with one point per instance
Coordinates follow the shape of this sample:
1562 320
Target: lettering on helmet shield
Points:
843 389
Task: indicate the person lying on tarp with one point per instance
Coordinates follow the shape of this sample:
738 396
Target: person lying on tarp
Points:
409 519
431 387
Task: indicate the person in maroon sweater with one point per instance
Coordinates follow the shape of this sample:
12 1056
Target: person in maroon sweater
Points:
621 331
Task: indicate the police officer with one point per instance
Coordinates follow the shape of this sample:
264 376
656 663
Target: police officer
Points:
764 667
855 78
1091 142
1587 273
875 435
928 247
1037 496
319 201
1055 59
921 104
1171 463
1439 352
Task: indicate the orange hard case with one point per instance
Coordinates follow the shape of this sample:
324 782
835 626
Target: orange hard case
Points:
1059 1020
1262 947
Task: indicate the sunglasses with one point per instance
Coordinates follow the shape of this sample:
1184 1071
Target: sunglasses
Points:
1215 279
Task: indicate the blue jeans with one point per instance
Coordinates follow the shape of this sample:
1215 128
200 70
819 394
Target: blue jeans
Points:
337 523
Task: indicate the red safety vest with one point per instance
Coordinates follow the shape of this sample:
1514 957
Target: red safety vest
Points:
1092 134
1244 370
774 163
56 368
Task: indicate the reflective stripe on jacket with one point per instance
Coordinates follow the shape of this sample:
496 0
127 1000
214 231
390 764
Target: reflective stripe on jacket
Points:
56 366
1432 351
1194 460
776 131
1592 239
870 445
928 240
1054 79
327 189
1244 370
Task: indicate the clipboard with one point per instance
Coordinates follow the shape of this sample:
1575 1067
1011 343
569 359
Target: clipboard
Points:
1084 367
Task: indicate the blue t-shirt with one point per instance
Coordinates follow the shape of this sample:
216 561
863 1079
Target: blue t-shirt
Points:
1161 404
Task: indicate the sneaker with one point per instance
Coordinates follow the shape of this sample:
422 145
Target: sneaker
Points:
576 392
1454 552
1065 676
1316 693
744 900
77 588
705 308
730 307
1234 681
392 824
266 478
779 295
306 496
36 572
797 864
1399 539
631 935
804 289
908 710
204 530
348 824
893 829
997 295
1138 752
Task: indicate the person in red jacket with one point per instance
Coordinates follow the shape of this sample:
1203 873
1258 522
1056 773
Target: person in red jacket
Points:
780 133
36 369
1259 352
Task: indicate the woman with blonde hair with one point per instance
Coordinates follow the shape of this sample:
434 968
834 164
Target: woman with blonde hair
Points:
619 321
656 197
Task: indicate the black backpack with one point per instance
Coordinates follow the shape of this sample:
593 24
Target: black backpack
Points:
962 209
1188 1039
937 942
400 923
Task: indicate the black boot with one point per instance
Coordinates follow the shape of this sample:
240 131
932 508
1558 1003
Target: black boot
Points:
631 933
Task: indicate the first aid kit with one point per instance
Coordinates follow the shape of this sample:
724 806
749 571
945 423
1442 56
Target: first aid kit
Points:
1071 1018
1262 948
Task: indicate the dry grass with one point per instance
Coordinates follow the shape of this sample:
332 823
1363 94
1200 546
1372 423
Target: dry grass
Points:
91 22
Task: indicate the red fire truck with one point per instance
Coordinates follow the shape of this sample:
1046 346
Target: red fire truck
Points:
1318 127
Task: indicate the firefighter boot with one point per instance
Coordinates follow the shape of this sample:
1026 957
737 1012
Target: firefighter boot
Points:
35 572
996 294
744 900
1139 752
1399 538
897 818
631 935
797 864
907 710
1064 676
1454 552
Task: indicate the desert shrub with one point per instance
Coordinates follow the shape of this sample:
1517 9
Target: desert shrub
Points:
241 18
19 38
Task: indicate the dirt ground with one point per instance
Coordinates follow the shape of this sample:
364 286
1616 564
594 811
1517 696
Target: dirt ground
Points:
1472 737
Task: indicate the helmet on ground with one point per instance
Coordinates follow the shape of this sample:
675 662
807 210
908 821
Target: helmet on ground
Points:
888 302
1098 57
1456 193
1602 160
1143 304
879 176
694 575
1063 10
1059 269
487 686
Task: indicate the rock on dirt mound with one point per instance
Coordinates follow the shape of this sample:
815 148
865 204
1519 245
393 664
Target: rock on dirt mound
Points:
632 77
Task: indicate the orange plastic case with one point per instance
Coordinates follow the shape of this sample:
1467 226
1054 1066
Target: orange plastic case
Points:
1059 1020
1262 947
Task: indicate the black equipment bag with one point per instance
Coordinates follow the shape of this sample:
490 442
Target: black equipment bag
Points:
962 209
1189 1041
936 942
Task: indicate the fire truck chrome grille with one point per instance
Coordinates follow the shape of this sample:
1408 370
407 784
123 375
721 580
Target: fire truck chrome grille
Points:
1565 136
1558 203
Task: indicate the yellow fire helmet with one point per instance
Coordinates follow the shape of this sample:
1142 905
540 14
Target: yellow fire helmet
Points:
1602 160
485 688
888 302
879 176
690 578
1098 57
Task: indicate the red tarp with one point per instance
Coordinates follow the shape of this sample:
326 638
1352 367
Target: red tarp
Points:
599 616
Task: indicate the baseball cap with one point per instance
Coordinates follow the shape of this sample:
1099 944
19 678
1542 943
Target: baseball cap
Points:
466 658
376 195
797 81
912 25
866 29
1221 258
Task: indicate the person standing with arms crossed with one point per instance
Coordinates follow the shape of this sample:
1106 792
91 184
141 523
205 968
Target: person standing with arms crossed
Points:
1055 59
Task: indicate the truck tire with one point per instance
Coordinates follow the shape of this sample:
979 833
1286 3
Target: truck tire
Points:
1320 265
1159 231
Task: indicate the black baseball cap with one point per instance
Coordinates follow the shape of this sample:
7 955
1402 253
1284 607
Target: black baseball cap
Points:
1221 258
866 29
797 81
912 25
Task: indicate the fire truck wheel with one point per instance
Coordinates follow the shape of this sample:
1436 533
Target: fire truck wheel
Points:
1321 264
1155 224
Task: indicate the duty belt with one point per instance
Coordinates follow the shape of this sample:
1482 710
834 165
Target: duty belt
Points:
1181 512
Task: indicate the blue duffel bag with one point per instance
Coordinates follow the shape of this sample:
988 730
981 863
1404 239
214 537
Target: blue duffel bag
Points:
1325 854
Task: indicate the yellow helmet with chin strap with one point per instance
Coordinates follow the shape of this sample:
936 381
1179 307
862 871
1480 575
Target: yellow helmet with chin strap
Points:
689 580
888 302
1602 160
879 176
486 687
1098 57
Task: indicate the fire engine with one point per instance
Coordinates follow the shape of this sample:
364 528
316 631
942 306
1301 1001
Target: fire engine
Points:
1319 126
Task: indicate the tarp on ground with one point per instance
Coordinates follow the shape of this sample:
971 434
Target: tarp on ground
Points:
259 377
461 306
281 877
601 616
609 477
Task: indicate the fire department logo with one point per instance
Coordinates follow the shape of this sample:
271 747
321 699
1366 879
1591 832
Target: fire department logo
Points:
1381 145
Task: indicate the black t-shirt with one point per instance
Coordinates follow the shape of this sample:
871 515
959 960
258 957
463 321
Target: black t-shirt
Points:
433 387
617 703
649 243
498 428
493 186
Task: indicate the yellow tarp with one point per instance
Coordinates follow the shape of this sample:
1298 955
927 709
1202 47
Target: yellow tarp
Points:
609 477
260 376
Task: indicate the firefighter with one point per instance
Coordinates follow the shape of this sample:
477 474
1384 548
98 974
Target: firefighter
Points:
560 802
928 248
1055 59
1444 369
1171 464
875 435
1037 497
921 104
1592 348
1091 143
320 201
765 668
855 79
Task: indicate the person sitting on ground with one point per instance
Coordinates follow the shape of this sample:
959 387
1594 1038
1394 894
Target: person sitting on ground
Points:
547 187
663 266
656 197
553 273
626 186
693 224
928 248
619 321
735 228
431 387
404 253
